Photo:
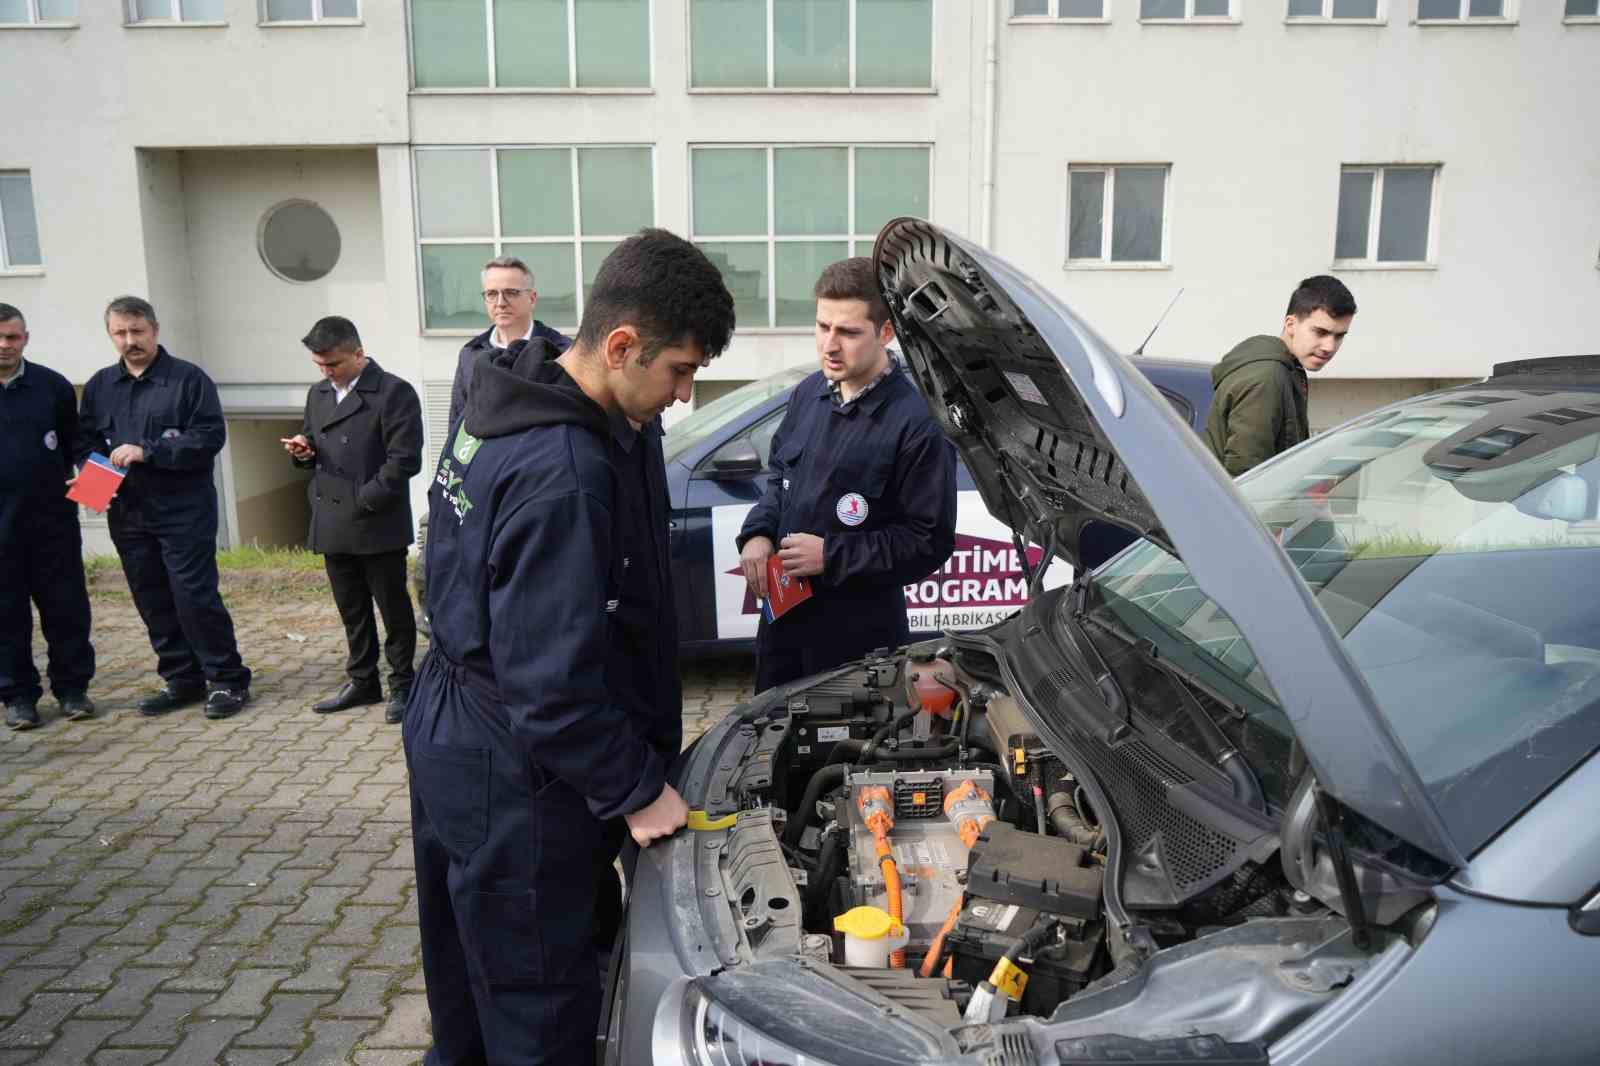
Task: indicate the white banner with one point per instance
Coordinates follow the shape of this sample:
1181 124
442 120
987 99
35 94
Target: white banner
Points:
979 584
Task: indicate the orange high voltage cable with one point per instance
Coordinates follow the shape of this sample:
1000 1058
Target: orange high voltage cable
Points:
877 814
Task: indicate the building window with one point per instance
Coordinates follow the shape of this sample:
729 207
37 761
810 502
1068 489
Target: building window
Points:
1185 10
309 10
32 12
1094 10
530 44
1462 10
1335 10
176 11
560 210
811 44
1583 9
1386 215
771 217
298 241
19 226
1116 214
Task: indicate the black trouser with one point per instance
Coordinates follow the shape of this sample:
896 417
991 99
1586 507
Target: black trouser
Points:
515 885
358 581
44 564
173 578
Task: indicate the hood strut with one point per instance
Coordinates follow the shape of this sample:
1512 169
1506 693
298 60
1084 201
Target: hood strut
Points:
1349 894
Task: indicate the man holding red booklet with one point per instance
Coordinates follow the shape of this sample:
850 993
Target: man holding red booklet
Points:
41 555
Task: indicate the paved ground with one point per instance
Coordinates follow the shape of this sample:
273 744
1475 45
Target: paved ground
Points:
184 891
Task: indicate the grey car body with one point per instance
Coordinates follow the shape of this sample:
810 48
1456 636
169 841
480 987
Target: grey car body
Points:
1407 867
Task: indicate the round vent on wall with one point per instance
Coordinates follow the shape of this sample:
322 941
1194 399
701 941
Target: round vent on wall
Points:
298 241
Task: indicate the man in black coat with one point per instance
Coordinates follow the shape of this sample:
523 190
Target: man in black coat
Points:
509 299
363 438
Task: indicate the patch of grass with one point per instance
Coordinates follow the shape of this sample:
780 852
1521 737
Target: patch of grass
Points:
97 565
255 557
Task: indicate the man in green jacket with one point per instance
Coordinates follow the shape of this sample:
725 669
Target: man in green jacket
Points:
1259 407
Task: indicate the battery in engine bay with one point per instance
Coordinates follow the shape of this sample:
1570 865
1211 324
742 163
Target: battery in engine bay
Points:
987 928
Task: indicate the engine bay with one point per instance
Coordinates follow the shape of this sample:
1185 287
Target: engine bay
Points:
903 822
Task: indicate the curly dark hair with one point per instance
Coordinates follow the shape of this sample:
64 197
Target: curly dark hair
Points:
1322 292
664 287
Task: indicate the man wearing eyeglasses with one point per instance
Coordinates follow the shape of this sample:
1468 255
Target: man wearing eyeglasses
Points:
508 297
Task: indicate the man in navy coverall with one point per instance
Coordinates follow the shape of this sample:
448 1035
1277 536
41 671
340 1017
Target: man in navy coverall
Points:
160 417
862 497
41 551
548 708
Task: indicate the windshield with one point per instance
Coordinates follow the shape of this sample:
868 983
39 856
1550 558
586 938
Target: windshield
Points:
1454 544
704 422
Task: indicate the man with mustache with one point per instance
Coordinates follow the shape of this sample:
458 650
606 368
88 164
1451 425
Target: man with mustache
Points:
159 417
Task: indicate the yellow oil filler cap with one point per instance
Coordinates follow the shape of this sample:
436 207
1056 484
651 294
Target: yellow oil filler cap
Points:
868 923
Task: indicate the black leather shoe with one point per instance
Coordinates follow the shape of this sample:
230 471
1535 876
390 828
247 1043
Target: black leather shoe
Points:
395 712
170 698
352 695
22 714
226 702
76 706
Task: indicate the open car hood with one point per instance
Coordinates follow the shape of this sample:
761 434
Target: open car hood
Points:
1059 430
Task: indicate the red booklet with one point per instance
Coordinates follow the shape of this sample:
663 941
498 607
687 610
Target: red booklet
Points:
97 482
784 591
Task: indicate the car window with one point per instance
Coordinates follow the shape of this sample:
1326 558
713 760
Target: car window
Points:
703 423
761 436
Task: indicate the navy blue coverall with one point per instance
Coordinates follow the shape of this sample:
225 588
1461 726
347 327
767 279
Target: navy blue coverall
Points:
876 479
164 517
548 707
41 549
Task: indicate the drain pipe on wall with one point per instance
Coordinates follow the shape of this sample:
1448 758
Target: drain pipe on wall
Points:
991 62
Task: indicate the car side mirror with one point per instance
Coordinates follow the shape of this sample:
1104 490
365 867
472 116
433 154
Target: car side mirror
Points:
737 460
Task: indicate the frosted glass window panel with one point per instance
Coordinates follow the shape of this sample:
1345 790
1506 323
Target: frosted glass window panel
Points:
341 9
1136 213
449 43
1403 212
744 271
1082 9
13 10
1211 8
1355 214
1024 8
152 9
530 44
203 10
536 192
890 182
1086 213
1305 8
894 44
58 9
798 265
21 225
613 43
1486 9
730 43
1161 9
1438 9
289 11
615 187
594 256
811 43
555 279
1355 9
1583 8
300 242
730 191
453 193
810 188
452 285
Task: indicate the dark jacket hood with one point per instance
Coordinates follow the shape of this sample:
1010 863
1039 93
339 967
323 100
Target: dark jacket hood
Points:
1262 349
522 387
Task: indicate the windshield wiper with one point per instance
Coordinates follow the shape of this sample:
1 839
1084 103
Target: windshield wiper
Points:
1246 789
1105 682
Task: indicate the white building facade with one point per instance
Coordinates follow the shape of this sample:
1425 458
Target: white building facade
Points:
252 165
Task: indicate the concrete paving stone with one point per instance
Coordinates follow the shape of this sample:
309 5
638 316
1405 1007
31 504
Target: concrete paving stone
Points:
398 945
408 1025
129 995
11 875
20 984
162 1021
17 1057
251 924
362 761
287 836
210 969
363 994
36 1027
325 968
97 971
68 947
345 784
38 927
254 823
188 887
358 924
97 884
257 1056
321 906
392 772
318 852
20 903
198 836
285 946
246 994
415 981
238 769
401 856
228 854
42 851
286 795
253 870
381 838
218 905
77 1039
260 784
204 1041
389 1057
145 928
287 1021
286 886
176 946
389 802
353 868
342 823
407 914
129 1057
332 1042
137 853
163 868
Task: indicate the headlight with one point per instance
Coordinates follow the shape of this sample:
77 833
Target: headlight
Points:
691 1029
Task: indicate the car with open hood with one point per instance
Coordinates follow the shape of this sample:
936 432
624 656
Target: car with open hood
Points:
1303 775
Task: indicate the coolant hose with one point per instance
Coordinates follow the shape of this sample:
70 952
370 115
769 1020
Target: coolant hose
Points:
830 860
1069 823
831 776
